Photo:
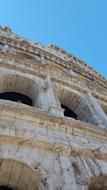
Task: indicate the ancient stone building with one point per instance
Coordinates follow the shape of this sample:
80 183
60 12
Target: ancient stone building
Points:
53 119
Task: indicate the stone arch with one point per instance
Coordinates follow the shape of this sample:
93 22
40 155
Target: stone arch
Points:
65 99
98 183
19 84
15 149
19 176
77 103
71 99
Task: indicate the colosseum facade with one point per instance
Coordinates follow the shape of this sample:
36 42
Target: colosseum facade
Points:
53 118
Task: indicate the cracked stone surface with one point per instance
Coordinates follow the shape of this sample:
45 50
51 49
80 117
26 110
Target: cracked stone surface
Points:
41 148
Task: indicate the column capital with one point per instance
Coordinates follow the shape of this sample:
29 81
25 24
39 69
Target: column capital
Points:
61 150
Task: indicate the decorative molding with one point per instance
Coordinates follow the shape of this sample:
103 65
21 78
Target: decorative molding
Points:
68 63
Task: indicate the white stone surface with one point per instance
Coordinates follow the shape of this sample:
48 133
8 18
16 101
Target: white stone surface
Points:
40 148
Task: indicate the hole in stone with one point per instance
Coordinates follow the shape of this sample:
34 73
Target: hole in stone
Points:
5 188
68 112
16 97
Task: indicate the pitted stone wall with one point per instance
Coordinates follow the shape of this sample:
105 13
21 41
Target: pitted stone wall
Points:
41 148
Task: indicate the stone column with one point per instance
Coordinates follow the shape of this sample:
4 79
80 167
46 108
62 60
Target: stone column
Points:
46 99
67 171
97 109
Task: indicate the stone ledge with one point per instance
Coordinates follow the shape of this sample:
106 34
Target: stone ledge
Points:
52 147
66 63
64 124
5 63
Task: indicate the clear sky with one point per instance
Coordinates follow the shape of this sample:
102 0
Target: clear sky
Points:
78 26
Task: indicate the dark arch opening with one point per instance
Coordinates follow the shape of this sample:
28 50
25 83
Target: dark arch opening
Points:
5 188
16 97
68 112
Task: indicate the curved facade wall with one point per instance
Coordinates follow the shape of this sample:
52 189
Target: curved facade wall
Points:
40 147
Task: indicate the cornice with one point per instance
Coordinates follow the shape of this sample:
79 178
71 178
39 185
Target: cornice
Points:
67 62
41 70
59 148
61 124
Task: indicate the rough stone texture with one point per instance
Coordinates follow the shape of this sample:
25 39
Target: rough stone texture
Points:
40 148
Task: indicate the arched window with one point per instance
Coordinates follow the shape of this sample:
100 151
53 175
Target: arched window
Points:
16 97
19 89
20 176
76 106
68 112
5 188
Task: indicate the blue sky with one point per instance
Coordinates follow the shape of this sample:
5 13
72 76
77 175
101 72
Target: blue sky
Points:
78 26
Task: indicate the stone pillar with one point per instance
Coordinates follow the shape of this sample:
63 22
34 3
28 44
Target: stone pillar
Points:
46 99
97 109
67 171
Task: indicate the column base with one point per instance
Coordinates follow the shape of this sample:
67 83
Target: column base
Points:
57 111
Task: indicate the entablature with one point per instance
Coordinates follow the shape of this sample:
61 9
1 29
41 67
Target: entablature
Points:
69 62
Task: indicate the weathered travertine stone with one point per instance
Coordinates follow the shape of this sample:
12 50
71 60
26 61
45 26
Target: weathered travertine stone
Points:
41 148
